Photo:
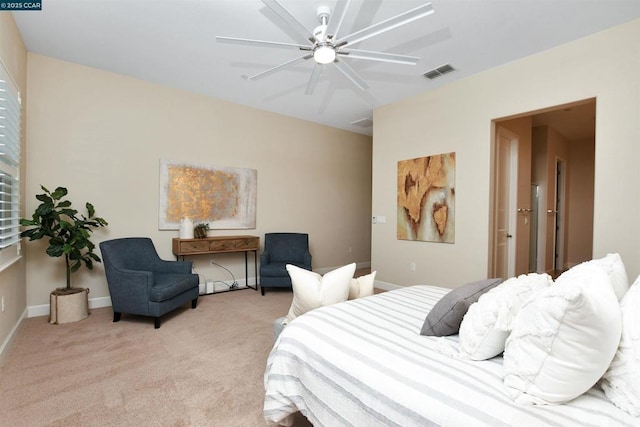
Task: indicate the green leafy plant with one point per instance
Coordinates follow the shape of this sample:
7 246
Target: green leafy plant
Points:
68 231
200 230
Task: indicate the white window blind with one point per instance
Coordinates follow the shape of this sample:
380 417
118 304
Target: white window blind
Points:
9 163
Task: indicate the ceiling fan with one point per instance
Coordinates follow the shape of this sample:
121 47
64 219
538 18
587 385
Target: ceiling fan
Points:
325 46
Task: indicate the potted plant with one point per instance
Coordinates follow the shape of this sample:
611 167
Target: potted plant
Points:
69 235
200 230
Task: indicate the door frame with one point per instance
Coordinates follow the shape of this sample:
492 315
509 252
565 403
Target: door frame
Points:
560 209
545 117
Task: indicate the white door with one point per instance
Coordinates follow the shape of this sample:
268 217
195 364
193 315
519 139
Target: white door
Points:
506 180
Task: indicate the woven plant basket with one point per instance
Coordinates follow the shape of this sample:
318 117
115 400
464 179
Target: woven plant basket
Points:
68 305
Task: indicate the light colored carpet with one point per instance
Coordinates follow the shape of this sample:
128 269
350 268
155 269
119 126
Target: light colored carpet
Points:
203 367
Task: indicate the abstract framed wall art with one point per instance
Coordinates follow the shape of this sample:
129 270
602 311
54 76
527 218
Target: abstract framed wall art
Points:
223 197
426 198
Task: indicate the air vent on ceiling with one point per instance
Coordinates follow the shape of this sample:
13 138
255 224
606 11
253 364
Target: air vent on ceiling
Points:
439 71
365 123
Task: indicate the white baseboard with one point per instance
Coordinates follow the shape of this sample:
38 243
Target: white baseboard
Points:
325 270
11 335
220 287
43 309
99 302
386 286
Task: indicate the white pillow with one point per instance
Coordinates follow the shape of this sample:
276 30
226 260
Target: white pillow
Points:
563 339
311 290
621 383
487 324
614 267
362 286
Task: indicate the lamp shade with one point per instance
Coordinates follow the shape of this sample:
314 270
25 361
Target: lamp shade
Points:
324 54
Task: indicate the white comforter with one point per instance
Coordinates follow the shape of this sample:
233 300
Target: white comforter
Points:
364 363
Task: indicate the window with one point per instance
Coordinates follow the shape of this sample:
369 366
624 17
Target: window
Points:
9 168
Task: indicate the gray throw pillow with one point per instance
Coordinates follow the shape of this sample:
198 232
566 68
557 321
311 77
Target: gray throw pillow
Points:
446 316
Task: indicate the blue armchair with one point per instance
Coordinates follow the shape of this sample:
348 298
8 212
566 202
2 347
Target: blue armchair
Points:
141 283
281 249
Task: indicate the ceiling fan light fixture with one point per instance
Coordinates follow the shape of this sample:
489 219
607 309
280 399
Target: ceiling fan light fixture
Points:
324 53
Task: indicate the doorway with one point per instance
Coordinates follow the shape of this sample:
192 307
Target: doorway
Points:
554 190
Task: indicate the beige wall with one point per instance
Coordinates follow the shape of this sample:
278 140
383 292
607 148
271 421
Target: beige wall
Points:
102 135
457 117
12 279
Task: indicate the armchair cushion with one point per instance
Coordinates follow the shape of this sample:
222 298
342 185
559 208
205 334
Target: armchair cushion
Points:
275 269
166 286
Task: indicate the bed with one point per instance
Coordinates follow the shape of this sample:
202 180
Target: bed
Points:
364 363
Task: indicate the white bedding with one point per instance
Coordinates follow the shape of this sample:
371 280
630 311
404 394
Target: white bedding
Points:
364 363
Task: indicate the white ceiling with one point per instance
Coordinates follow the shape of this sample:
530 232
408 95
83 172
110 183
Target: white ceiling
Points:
172 42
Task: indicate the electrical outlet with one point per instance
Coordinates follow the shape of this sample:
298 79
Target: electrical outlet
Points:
3 303
412 266
350 249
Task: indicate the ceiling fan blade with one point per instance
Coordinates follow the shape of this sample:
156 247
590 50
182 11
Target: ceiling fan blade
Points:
279 67
337 15
351 74
287 17
235 40
379 56
386 25
313 80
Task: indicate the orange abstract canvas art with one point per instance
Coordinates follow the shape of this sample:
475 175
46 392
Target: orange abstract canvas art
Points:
223 197
426 198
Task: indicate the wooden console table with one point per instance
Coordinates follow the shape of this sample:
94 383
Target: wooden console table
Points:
221 245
